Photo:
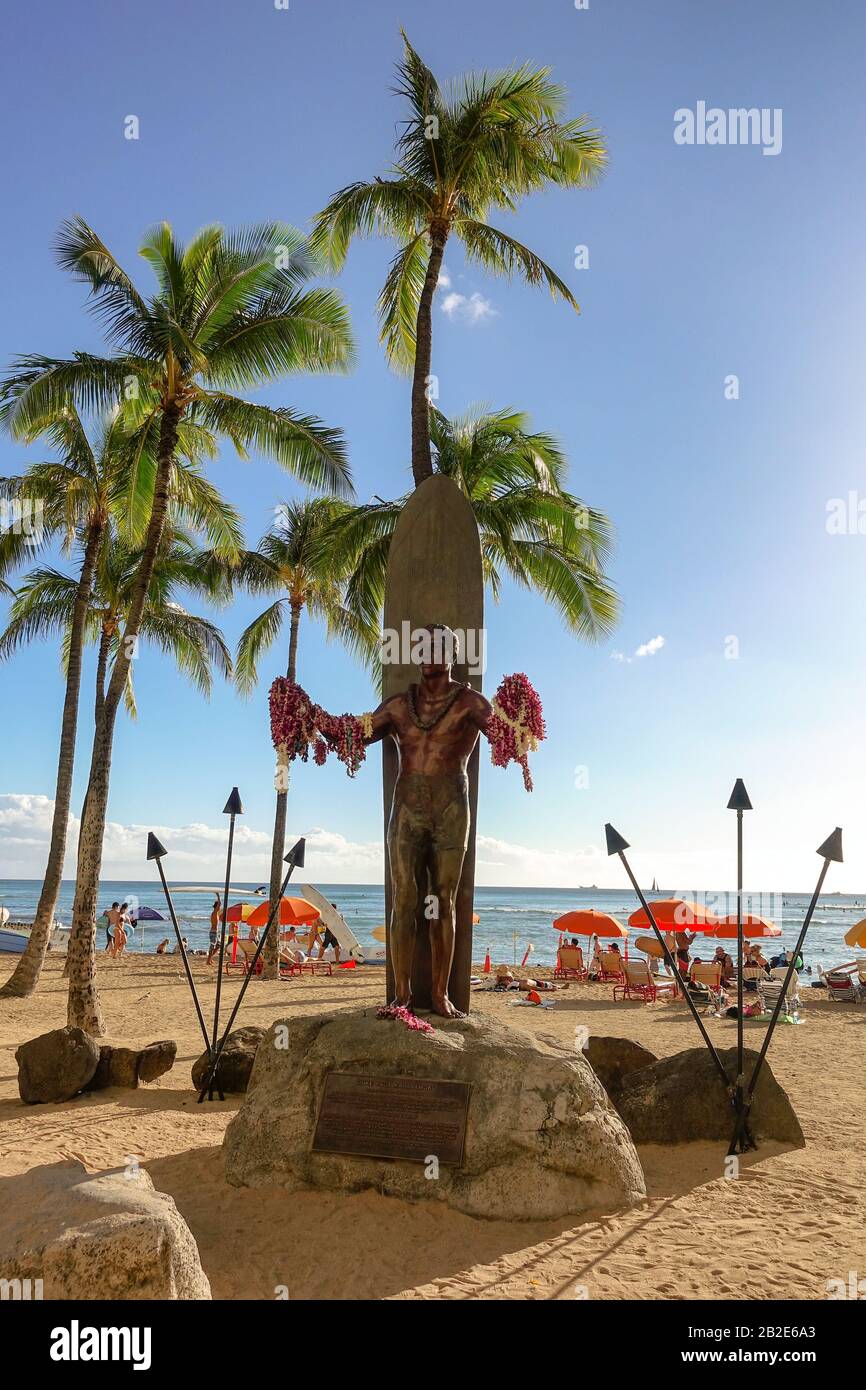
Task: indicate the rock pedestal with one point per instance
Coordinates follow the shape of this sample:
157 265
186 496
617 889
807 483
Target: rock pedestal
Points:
97 1236
542 1139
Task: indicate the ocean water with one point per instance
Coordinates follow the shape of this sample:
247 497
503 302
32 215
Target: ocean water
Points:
511 919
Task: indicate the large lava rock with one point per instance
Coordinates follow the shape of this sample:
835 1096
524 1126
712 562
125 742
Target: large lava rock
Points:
613 1059
236 1061
682 1098
97 1236
127 1066
56 1065
542 1139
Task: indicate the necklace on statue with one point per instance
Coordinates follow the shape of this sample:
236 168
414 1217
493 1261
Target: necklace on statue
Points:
427 724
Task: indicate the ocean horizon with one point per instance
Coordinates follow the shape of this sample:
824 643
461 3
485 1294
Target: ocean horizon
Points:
511 918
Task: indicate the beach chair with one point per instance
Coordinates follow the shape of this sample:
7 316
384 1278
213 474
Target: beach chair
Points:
611 966
770 990
246 951
315 967
842 987
707 975
570 964
639 983
753 978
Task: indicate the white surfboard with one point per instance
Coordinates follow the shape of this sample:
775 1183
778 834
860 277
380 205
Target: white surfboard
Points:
331 918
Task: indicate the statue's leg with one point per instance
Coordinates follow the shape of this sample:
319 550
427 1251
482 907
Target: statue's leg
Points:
404 846
450 835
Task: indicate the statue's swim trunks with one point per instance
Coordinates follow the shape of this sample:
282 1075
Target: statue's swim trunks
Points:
429 810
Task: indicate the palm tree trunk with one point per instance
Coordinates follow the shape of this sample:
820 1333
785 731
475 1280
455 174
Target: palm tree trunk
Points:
26 974
271 953
101 668
422 462
83 1007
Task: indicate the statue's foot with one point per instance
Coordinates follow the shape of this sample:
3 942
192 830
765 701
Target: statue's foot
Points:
442 1005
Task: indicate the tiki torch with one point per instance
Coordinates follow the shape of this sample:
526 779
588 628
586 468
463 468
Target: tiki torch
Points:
830 852
294 859
157 851
739 802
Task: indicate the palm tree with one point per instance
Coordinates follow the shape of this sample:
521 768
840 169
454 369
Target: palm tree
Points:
45 605
294 561
231 311
532 529
484 143
79 493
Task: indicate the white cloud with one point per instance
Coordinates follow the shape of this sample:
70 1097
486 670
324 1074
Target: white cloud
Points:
472 309
649 648
444 281
195 849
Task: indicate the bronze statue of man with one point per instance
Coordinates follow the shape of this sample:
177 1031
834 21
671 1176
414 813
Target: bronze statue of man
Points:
435 725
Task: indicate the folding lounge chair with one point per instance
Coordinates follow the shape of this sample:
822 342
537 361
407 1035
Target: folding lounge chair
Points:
640 984
570 964
708 976
316 967
611 966
842 987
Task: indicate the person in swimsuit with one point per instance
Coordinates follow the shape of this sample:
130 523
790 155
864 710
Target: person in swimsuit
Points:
213 943
435 725
113 915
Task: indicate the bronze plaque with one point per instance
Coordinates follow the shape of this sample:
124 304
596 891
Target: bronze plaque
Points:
405 1117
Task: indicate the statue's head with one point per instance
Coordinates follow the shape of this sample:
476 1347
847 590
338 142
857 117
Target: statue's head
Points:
437 649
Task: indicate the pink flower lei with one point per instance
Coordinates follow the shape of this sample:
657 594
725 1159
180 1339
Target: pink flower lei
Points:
297 724
516 726
404 1015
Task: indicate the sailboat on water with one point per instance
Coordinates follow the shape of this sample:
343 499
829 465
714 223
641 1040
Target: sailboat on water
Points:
655 887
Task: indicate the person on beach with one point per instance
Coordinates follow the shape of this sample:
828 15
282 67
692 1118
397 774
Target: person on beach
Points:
505 979
756 956
162 946
724 960
119 937
329 939
213 945
113 917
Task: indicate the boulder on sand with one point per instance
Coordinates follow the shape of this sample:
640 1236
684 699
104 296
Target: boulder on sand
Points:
542 1139
613 1059
236 1062
127 1066
56 1065
681 1098
97 1236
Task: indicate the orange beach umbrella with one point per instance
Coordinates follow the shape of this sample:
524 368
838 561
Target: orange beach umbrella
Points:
856 935
587 922
294 912
241 912
752 927
676 914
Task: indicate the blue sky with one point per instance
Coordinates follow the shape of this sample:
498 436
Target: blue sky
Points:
704 262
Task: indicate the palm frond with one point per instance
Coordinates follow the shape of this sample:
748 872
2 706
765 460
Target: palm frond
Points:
312 451
261 634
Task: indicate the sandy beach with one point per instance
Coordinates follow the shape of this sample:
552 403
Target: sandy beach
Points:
791 1222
